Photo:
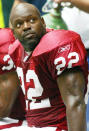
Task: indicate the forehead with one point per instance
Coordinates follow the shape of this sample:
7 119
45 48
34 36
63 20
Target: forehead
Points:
23 11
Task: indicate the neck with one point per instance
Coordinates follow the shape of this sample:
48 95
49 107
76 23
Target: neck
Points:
29 53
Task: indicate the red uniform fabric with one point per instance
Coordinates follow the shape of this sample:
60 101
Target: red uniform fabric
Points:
7 65
6 38
56 51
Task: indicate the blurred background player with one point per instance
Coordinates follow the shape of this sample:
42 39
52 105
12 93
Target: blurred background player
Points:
12 104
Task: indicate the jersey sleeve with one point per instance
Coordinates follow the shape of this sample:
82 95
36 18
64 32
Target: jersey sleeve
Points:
69 55
6 38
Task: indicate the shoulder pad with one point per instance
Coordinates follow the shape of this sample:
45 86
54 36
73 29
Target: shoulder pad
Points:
6 35
53 39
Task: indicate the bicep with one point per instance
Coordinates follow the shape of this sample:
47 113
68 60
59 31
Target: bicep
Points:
71 84
9 88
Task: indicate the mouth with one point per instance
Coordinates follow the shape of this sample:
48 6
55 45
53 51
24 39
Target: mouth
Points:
29 36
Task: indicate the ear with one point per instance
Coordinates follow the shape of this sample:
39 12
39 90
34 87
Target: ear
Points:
43 22
10 25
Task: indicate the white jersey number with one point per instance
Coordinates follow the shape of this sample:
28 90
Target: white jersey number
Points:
10 63
38 90
33 92
62 60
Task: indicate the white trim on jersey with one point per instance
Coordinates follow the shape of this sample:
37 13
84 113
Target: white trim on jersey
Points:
24 126
8 123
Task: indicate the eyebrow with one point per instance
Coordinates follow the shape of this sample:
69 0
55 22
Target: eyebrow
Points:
17 19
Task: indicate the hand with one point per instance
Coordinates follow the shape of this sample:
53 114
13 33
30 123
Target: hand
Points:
16 2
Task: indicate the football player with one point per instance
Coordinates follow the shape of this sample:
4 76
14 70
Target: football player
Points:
11 97
53 71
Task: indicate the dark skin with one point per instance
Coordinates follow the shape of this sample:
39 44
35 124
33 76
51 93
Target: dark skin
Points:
9 89
28 26
71 82
81 4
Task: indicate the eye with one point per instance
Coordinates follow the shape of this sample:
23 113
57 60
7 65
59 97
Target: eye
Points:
18 25
32 20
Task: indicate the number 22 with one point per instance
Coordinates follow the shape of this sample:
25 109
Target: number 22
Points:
33 92
38 90
60 67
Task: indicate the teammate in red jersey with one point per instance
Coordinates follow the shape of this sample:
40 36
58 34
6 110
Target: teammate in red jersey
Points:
53 73
10 102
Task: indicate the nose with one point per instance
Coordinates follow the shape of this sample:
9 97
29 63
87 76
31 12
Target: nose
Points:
26 26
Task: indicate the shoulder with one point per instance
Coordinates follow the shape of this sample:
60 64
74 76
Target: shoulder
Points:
6 35
54 39
6 38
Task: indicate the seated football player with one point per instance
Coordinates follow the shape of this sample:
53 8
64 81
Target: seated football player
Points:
11 105
52 69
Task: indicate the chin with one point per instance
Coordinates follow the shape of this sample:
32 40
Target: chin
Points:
30 46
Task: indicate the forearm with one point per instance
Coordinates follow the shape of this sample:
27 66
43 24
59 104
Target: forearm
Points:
9 89
81 4
6 102
76 118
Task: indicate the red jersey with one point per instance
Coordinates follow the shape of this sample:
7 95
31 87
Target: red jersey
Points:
7 65
56 51
6 38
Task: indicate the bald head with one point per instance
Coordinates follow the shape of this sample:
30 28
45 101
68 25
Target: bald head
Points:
23 9
27 25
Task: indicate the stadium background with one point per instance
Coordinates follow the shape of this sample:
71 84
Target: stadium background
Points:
5 7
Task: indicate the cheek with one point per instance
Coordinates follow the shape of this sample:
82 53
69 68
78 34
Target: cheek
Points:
18 33
39 29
